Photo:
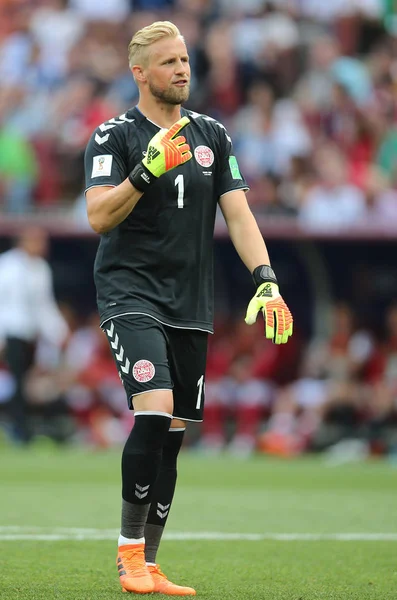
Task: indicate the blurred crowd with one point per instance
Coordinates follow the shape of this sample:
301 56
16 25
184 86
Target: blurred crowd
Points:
306 396
73 391
307 90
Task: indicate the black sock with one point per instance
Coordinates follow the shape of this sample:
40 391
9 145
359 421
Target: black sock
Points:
163 494
140 464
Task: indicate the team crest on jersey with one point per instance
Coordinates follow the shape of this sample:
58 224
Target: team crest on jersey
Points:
204 156
143 371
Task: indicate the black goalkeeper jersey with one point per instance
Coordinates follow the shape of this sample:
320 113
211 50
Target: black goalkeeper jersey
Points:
159 260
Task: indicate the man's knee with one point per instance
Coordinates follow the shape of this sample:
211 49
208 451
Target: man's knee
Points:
156 400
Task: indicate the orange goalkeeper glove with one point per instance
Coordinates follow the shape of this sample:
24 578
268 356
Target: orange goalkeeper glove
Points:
164 152
276 314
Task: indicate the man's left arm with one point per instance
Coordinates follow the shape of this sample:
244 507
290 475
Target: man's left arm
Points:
250 245
243 229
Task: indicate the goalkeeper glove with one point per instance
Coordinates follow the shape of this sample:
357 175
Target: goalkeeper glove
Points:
164 152
277 316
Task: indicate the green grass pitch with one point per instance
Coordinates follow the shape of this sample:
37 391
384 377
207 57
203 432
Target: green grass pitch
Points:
59 519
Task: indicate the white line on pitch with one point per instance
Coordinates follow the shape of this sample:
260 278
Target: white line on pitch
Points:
18 533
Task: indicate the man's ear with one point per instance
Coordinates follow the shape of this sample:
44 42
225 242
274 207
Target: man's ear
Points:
138 73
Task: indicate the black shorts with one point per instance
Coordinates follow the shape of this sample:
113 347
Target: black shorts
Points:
152 356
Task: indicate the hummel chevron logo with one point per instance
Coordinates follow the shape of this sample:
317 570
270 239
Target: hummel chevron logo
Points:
101 140
195 115
115 121
124 119
141 492
126 367
119 349
105 127
109 125
141 488
162 510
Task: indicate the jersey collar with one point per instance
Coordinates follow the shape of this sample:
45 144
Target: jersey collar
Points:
136 114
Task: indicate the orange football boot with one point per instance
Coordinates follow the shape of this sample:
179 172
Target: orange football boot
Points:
133 572
162 585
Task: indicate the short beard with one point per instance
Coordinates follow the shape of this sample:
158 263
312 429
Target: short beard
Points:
171 95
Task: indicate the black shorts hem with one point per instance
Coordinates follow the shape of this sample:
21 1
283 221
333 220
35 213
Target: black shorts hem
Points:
205 327
151 390
190 420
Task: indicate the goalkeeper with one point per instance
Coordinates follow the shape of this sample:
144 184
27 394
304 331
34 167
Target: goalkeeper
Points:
154 178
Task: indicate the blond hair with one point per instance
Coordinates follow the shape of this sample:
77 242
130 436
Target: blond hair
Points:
138 46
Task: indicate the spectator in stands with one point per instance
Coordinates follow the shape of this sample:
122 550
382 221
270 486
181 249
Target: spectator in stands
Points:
107 10
224 95
55 28
246 57
387 152
313 91
265 43
333 204
265 197
17 48
268 132
77 108
384 192
296 184
18 166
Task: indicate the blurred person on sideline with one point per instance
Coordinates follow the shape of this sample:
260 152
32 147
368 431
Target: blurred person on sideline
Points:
154 277
28 311
331 388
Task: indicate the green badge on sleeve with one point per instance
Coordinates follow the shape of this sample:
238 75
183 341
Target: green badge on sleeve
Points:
233 164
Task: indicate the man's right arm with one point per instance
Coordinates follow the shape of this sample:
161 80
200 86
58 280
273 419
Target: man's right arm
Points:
108 206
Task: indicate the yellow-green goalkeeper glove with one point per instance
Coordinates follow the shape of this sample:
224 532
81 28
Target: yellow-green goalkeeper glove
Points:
276 314
164 152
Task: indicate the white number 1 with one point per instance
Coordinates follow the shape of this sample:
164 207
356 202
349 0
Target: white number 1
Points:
181 189
200 384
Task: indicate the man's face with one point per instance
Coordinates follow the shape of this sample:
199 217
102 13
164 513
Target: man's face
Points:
168 71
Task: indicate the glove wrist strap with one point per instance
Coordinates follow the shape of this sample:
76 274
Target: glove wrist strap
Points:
263 274
141 178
